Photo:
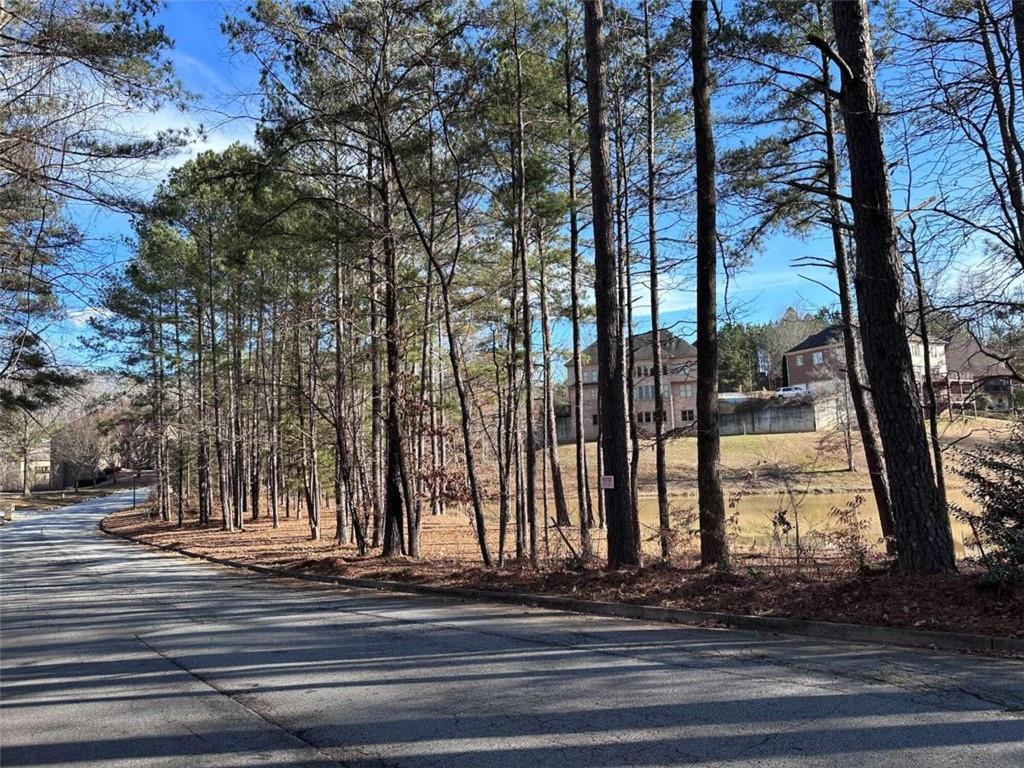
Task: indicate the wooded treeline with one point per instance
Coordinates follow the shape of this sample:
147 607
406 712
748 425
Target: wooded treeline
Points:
359 316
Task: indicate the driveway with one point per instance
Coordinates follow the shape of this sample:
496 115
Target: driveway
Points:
117 655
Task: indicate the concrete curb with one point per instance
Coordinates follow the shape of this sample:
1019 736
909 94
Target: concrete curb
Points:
857 633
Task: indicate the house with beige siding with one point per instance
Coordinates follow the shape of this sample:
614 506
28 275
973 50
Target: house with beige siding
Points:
679 379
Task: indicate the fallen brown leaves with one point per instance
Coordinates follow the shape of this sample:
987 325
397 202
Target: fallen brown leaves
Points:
959 603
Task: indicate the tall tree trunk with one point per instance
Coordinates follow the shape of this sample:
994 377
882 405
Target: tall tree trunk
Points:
255 456
508 502
163 505
202 419
512 408
714 548
664 523
376 391
502 454
423 415
585 510
586 515
869 439
218 439
274 420
522 544
397 492
931 402
625 280
25 449
305 406
444 280
467 439
313 485
343 472
180 453
922 527
524 265
237 450
623 545
557 485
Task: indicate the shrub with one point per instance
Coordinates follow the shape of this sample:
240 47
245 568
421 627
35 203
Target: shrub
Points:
849 536
995 481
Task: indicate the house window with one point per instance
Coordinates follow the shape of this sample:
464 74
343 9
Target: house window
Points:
817 358
687 414
799 361
686 390
644 392
593 419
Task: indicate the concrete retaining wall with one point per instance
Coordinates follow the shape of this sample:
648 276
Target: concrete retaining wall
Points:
779 418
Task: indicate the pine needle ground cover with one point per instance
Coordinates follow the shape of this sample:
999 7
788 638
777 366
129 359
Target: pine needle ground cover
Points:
821 590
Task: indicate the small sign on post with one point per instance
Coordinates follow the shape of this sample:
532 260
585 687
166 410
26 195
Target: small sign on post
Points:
607 482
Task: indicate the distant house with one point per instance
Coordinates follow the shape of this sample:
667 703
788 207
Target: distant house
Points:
975 375
40 474
819 361
679 379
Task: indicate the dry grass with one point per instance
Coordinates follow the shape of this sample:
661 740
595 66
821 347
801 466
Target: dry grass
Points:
54 499
815 461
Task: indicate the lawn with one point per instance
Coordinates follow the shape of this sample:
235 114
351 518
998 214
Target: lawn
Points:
53 499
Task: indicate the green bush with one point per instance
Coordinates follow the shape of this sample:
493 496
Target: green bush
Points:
995 480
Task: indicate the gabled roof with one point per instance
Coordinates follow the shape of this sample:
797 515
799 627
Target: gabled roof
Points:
965 355
823 338
671 346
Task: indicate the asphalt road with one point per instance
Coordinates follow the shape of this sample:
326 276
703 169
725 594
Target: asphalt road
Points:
116 655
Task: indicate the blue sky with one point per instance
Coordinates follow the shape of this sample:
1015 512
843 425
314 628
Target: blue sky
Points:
225 82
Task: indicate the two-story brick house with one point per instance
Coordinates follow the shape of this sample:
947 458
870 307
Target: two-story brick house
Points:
819 361
679 379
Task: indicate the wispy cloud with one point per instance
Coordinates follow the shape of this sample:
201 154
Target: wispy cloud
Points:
204 130
198 75
80 318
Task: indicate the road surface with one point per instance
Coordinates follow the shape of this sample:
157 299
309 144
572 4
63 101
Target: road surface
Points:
117 655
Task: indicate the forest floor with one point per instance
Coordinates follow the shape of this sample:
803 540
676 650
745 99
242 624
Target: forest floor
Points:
820 589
